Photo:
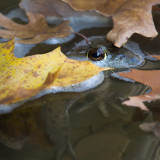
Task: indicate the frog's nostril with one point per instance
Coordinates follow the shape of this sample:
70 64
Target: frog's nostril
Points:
133 60
120 57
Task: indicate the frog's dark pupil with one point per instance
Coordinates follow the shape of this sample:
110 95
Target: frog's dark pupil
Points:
96 54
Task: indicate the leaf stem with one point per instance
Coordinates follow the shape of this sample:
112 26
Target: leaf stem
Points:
87 41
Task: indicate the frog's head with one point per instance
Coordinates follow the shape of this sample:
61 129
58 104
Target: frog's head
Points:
104 54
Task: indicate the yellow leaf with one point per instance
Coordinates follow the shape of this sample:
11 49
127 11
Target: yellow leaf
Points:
21 78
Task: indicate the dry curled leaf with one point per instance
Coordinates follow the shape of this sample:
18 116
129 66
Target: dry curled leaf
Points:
21 78
133 17
129 17
37 29
147 77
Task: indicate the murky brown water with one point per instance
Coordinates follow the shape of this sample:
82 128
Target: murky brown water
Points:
57 122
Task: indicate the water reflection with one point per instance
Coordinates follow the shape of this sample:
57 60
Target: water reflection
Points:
43 122
46 123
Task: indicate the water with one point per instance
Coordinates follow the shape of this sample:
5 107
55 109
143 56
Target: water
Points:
57 122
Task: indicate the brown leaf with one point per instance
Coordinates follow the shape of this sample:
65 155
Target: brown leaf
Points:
147 77
133 17
37 29
129 17
105 7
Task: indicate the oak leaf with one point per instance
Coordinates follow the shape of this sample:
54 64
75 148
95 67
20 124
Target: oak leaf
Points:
37 29
21 78
129 16
147 77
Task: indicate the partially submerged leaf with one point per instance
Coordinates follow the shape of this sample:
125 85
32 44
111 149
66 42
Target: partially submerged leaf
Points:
147 77
21 78
129 17
37 29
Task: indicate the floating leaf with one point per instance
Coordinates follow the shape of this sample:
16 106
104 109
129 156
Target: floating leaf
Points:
129 17
147 77
37 29
21 78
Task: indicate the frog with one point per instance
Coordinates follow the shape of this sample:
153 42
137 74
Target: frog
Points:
103 53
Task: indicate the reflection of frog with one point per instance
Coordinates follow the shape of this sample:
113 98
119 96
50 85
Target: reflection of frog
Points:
104 54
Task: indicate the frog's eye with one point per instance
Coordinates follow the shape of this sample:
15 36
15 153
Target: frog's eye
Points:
96 54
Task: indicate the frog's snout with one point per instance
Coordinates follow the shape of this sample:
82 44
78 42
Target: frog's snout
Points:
122 60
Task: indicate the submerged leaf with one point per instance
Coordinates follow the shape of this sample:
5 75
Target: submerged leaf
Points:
21 78
37 29
151 127
129 17
21 125
147 77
